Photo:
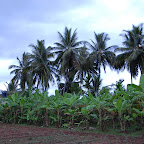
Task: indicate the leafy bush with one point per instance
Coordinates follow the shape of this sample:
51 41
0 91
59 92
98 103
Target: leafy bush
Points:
124 109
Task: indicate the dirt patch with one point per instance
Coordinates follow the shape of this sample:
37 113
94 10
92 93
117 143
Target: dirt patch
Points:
15 134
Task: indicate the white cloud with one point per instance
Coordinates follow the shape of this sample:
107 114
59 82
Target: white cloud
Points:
116 5
81 13
110 77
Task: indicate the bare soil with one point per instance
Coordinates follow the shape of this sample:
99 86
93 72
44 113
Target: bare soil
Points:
16 134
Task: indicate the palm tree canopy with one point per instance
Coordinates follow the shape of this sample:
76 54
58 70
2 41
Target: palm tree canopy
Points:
101 54
67 48
86 66
41 64
132 55
20 71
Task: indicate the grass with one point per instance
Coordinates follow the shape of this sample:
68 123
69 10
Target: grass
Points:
110 131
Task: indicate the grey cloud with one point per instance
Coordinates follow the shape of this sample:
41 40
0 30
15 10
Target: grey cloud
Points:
36 9
23 22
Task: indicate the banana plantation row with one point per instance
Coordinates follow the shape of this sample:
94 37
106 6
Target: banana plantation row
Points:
77 63
123 109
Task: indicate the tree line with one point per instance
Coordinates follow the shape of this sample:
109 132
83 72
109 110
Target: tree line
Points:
77 63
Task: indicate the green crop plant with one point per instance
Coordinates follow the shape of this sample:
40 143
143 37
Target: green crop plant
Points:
85 111
123 107
70 106
57 105
100 103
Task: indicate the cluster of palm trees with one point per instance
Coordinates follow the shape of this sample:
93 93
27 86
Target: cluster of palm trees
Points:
78 62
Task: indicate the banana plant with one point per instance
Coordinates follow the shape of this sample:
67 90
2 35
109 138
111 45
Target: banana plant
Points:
139 114
85 100
85 111
4 111
142 82
57 105
71 113
23 108
34 104
100 103
70 106
13 105
137 100
121 106
47 106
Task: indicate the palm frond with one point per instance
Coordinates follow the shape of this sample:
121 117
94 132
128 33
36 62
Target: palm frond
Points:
123 49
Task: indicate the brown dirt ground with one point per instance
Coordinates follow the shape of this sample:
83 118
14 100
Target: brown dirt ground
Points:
16 134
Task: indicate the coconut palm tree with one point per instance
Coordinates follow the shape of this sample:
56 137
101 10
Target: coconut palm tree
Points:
20 71
132 56
41 64
92 83
121 63
67 55
86 66
101 54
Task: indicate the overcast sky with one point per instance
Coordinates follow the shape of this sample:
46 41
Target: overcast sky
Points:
23 22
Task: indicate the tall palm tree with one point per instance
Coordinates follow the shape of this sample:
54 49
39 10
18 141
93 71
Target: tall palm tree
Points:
132 56
86 66
101 54
20 71
67 55
41 64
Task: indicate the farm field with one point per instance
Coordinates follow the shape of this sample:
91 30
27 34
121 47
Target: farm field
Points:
20 134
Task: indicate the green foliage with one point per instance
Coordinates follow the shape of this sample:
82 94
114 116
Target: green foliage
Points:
124 109
101 54
131 56
92 83
142 82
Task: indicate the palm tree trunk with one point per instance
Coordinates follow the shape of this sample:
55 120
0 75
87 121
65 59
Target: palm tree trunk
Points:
131 79
68 83
142 67
66 76
99 71
64 90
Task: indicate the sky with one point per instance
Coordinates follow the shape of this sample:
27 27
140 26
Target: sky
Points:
24 22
